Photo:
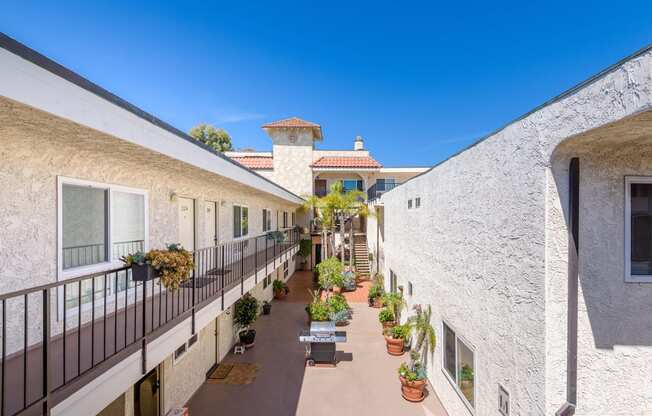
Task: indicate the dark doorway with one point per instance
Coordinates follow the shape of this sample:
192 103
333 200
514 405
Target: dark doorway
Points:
146 395
317 254
320 187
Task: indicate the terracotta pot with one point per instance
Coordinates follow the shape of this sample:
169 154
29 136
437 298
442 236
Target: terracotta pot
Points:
378 303
280 294
394 346
337 289
412 391
388 325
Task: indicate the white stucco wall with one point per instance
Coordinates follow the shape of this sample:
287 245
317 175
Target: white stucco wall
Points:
481 252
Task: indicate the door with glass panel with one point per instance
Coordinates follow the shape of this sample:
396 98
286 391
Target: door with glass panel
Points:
187 223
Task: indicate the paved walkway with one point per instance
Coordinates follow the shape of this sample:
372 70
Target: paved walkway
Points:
365 381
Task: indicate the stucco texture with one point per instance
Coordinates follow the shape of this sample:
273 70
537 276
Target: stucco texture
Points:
484 252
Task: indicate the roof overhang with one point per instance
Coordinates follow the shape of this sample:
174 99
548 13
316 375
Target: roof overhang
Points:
33 79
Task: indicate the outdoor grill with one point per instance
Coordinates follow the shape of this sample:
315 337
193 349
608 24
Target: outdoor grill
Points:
320 342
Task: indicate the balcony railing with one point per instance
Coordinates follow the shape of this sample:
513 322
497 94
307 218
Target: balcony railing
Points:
379 188
57 337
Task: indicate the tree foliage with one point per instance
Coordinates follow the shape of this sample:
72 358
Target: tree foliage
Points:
214 137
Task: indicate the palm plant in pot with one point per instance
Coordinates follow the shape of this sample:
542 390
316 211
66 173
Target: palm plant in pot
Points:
396 337
387 318
280 288
246 312
413 375
375 296
394 302
305 249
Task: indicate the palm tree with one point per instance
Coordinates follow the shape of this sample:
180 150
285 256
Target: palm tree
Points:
425 334
336 206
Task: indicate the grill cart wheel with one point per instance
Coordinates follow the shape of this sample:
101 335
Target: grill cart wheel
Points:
311 363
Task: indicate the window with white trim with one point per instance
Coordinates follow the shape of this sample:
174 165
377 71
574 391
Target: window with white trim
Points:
638 229
459 365
240 221
99 223
267 219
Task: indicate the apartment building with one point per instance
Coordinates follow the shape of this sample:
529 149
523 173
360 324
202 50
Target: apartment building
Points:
532 247
86 178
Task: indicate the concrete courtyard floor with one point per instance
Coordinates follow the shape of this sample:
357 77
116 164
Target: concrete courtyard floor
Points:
364 382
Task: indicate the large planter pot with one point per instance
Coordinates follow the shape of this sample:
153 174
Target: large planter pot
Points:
280 294
247 337
412 391
394 346
267 308
388 325
143 272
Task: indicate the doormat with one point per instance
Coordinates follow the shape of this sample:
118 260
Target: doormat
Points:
221 372
240 373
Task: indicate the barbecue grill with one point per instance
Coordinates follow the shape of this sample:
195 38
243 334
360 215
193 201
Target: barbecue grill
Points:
320 342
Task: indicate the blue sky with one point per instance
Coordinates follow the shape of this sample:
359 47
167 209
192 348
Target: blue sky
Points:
429 76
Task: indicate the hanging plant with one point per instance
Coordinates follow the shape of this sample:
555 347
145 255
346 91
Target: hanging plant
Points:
173 265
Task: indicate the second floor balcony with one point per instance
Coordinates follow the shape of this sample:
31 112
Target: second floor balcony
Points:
376 190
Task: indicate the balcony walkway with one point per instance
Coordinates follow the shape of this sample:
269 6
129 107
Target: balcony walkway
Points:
365 381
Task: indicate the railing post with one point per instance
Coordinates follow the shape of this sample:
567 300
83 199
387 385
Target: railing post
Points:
46 351
266 254
242 258
145 307
222 275
256 260
192 326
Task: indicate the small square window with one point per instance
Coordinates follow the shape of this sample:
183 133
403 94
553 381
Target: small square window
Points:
417 202
409 204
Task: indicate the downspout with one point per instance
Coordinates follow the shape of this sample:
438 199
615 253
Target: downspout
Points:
568 408
377 242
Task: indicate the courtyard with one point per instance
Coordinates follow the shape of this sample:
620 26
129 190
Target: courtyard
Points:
365 381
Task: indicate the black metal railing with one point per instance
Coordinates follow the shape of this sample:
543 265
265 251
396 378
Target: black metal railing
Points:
57 337
379 188
78 256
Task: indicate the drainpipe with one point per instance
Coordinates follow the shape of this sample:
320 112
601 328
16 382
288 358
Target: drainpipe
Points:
377 242
568 408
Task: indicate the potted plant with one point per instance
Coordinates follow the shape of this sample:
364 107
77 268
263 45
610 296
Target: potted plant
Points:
395 338
413 376
246 312
349 280
387 318
338 309
281 289
413 380
277 236
375 296
330 274
466 376
394 302
305 249
267 308
318 311
172 265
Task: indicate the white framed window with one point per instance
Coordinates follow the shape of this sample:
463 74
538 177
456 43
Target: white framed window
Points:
285 219
638 229
97 223
409 204
294 219
240 221
267 219
458 365
417 202
352 185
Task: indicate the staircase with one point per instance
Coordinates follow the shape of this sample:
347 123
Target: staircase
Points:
361 255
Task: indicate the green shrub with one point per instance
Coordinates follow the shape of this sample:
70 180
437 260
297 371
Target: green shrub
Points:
305 248
246 311
375 291
400 332
279 286
330 273
337 303
319 311
386 315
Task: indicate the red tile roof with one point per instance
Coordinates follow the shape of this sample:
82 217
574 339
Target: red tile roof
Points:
346 162
255 162
291 122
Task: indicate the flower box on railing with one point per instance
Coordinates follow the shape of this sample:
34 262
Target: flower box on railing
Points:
144 272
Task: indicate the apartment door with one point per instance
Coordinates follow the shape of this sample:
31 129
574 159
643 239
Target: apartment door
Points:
211 222
187 223
146 395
